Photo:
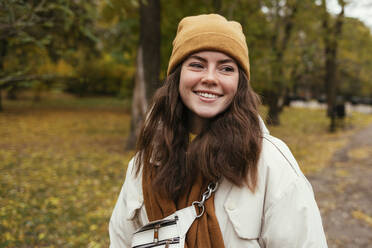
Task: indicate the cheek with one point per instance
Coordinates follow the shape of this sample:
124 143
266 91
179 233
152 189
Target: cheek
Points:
182 93
187 82
181 83
184 89
232 87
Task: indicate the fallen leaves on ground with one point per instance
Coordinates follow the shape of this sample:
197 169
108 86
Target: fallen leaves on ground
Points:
61 172
362 216
360 153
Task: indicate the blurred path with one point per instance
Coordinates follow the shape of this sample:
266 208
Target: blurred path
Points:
344 194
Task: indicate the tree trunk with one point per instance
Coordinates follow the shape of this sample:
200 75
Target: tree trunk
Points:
275 102
139 102
148 66
1 101
231 9
279 42
217 5
272 117
330 85
331 37
12 93
3 50
150 37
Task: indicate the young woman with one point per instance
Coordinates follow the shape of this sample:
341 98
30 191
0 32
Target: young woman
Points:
203 127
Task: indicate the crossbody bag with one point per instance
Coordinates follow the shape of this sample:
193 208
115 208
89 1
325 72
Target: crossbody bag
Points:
170 232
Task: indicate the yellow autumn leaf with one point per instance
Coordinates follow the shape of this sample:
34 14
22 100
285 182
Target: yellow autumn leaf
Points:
8 236
342 173
93 227
362 216
54 201
41 236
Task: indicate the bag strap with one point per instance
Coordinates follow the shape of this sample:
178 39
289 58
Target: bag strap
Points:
212 187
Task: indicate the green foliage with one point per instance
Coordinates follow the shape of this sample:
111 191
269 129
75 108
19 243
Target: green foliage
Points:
355 59
100 76
34 34
81 34
47 23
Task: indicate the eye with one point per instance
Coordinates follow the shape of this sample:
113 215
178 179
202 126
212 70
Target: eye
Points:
196 65
227 69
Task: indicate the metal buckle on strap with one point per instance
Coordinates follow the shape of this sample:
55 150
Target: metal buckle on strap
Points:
212 187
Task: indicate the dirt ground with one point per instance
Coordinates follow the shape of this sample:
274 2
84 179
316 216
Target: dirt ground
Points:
343 191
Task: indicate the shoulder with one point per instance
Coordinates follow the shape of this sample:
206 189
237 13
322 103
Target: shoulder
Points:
280 181
277 156
124 219
132 187
279 172
291 216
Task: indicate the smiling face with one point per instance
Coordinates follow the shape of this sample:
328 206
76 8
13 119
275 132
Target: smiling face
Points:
208 84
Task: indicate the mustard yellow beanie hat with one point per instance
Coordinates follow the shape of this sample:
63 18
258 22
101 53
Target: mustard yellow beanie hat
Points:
209 32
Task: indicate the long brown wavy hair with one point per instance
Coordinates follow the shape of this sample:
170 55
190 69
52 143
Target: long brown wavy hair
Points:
228 147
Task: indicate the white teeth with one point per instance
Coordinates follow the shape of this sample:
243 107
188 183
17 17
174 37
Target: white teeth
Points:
207 95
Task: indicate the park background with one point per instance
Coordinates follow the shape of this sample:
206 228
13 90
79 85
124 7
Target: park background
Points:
76 78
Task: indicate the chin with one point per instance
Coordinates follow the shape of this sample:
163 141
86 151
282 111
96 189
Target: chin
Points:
208 115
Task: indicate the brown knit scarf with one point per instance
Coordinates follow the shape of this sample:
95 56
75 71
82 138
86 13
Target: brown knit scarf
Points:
204 232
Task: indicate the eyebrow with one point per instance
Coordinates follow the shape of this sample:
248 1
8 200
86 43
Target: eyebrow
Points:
205 61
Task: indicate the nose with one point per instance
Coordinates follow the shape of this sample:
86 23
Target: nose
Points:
210 77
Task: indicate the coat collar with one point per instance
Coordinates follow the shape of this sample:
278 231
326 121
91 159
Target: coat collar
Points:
263 126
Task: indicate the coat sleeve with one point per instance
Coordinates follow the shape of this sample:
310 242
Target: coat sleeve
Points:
124 219
294 220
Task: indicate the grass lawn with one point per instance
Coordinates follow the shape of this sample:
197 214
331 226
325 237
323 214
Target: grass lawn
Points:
62 163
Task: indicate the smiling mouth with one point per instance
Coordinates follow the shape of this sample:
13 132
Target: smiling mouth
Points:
207 95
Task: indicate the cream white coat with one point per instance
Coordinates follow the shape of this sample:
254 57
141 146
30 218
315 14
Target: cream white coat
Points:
282 213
